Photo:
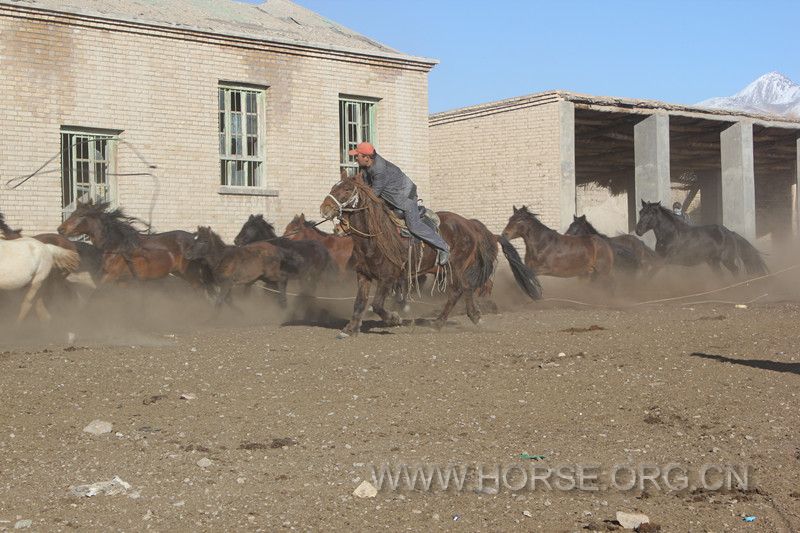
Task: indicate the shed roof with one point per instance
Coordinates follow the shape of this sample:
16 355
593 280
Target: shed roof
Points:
610 103
273 20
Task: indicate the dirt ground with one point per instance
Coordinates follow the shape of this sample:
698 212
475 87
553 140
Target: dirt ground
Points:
256 421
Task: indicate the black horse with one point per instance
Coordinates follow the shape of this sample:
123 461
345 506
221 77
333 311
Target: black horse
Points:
316 260
678 243
646 259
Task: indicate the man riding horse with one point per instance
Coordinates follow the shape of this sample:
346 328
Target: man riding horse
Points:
397 189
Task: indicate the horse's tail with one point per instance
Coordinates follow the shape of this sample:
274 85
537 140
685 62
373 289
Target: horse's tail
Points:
480 274
64 259
525 276
750 256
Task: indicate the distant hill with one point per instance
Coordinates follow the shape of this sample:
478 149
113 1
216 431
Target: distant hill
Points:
772 94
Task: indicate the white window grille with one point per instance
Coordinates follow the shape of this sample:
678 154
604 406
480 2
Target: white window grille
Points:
356 124
241 149
87 163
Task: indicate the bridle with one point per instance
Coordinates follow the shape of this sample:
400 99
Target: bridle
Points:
349 206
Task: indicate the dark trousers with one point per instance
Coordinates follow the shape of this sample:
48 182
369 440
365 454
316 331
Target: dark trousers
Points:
420 229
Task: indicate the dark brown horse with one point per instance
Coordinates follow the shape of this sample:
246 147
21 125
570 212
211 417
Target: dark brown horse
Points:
679 243
563 256
340 247
645 259
129 254
314 261
382 255
240 265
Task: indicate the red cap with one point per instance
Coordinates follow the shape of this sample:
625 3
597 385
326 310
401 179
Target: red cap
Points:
364 148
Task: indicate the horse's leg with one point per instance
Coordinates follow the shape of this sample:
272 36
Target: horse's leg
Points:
391 318
473 311
359 306
27 302
41 309
455 295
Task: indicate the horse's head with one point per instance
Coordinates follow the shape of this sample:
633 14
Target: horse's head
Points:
517 223
344 195
295 226
82 220
255 229
202 244
648 217
578 226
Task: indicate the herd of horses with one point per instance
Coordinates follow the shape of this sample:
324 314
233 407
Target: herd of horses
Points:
370 246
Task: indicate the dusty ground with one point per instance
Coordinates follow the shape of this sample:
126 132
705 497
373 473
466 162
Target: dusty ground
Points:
291 420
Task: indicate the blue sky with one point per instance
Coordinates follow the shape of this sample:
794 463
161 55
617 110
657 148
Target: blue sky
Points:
678 51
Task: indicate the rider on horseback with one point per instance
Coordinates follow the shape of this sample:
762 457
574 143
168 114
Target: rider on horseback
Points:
397 189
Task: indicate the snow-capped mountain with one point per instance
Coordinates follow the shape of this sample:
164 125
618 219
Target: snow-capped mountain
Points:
772 94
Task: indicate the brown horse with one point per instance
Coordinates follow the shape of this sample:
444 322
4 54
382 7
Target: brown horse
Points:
339 246
644 259
381 254
564 256
240 265
129 254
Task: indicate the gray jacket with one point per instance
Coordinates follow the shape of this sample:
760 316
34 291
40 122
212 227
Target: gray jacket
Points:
390 183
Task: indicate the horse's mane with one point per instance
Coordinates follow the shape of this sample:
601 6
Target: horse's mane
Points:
313 224
117 226
672 216
527 215
590 227
380 225
266 226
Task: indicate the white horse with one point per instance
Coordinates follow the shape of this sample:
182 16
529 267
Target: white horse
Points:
27 262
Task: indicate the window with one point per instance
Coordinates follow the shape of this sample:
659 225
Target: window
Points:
240 140
87 162
356 124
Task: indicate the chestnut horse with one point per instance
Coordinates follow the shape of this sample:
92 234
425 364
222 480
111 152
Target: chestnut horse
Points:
339 246
131 254
382 254
563 256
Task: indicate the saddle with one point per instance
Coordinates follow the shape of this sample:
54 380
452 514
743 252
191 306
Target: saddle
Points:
428 216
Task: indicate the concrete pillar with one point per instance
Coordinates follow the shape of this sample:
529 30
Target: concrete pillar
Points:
651 156
711 202
796 190
738 180
566 112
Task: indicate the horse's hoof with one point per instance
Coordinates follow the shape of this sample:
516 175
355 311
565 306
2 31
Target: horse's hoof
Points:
437 325
406 308
342 335
394 320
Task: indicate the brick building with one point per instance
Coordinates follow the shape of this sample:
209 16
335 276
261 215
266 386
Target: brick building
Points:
564 153
194 111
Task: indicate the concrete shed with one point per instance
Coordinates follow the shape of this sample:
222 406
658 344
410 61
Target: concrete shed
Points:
564 153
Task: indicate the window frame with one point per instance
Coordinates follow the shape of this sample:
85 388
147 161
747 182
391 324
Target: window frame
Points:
225 131
364 132
74 189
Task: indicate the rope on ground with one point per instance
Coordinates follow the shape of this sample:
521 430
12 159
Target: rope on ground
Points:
588 304
693 295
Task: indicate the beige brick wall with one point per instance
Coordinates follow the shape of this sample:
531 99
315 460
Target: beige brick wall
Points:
482 166
161 91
